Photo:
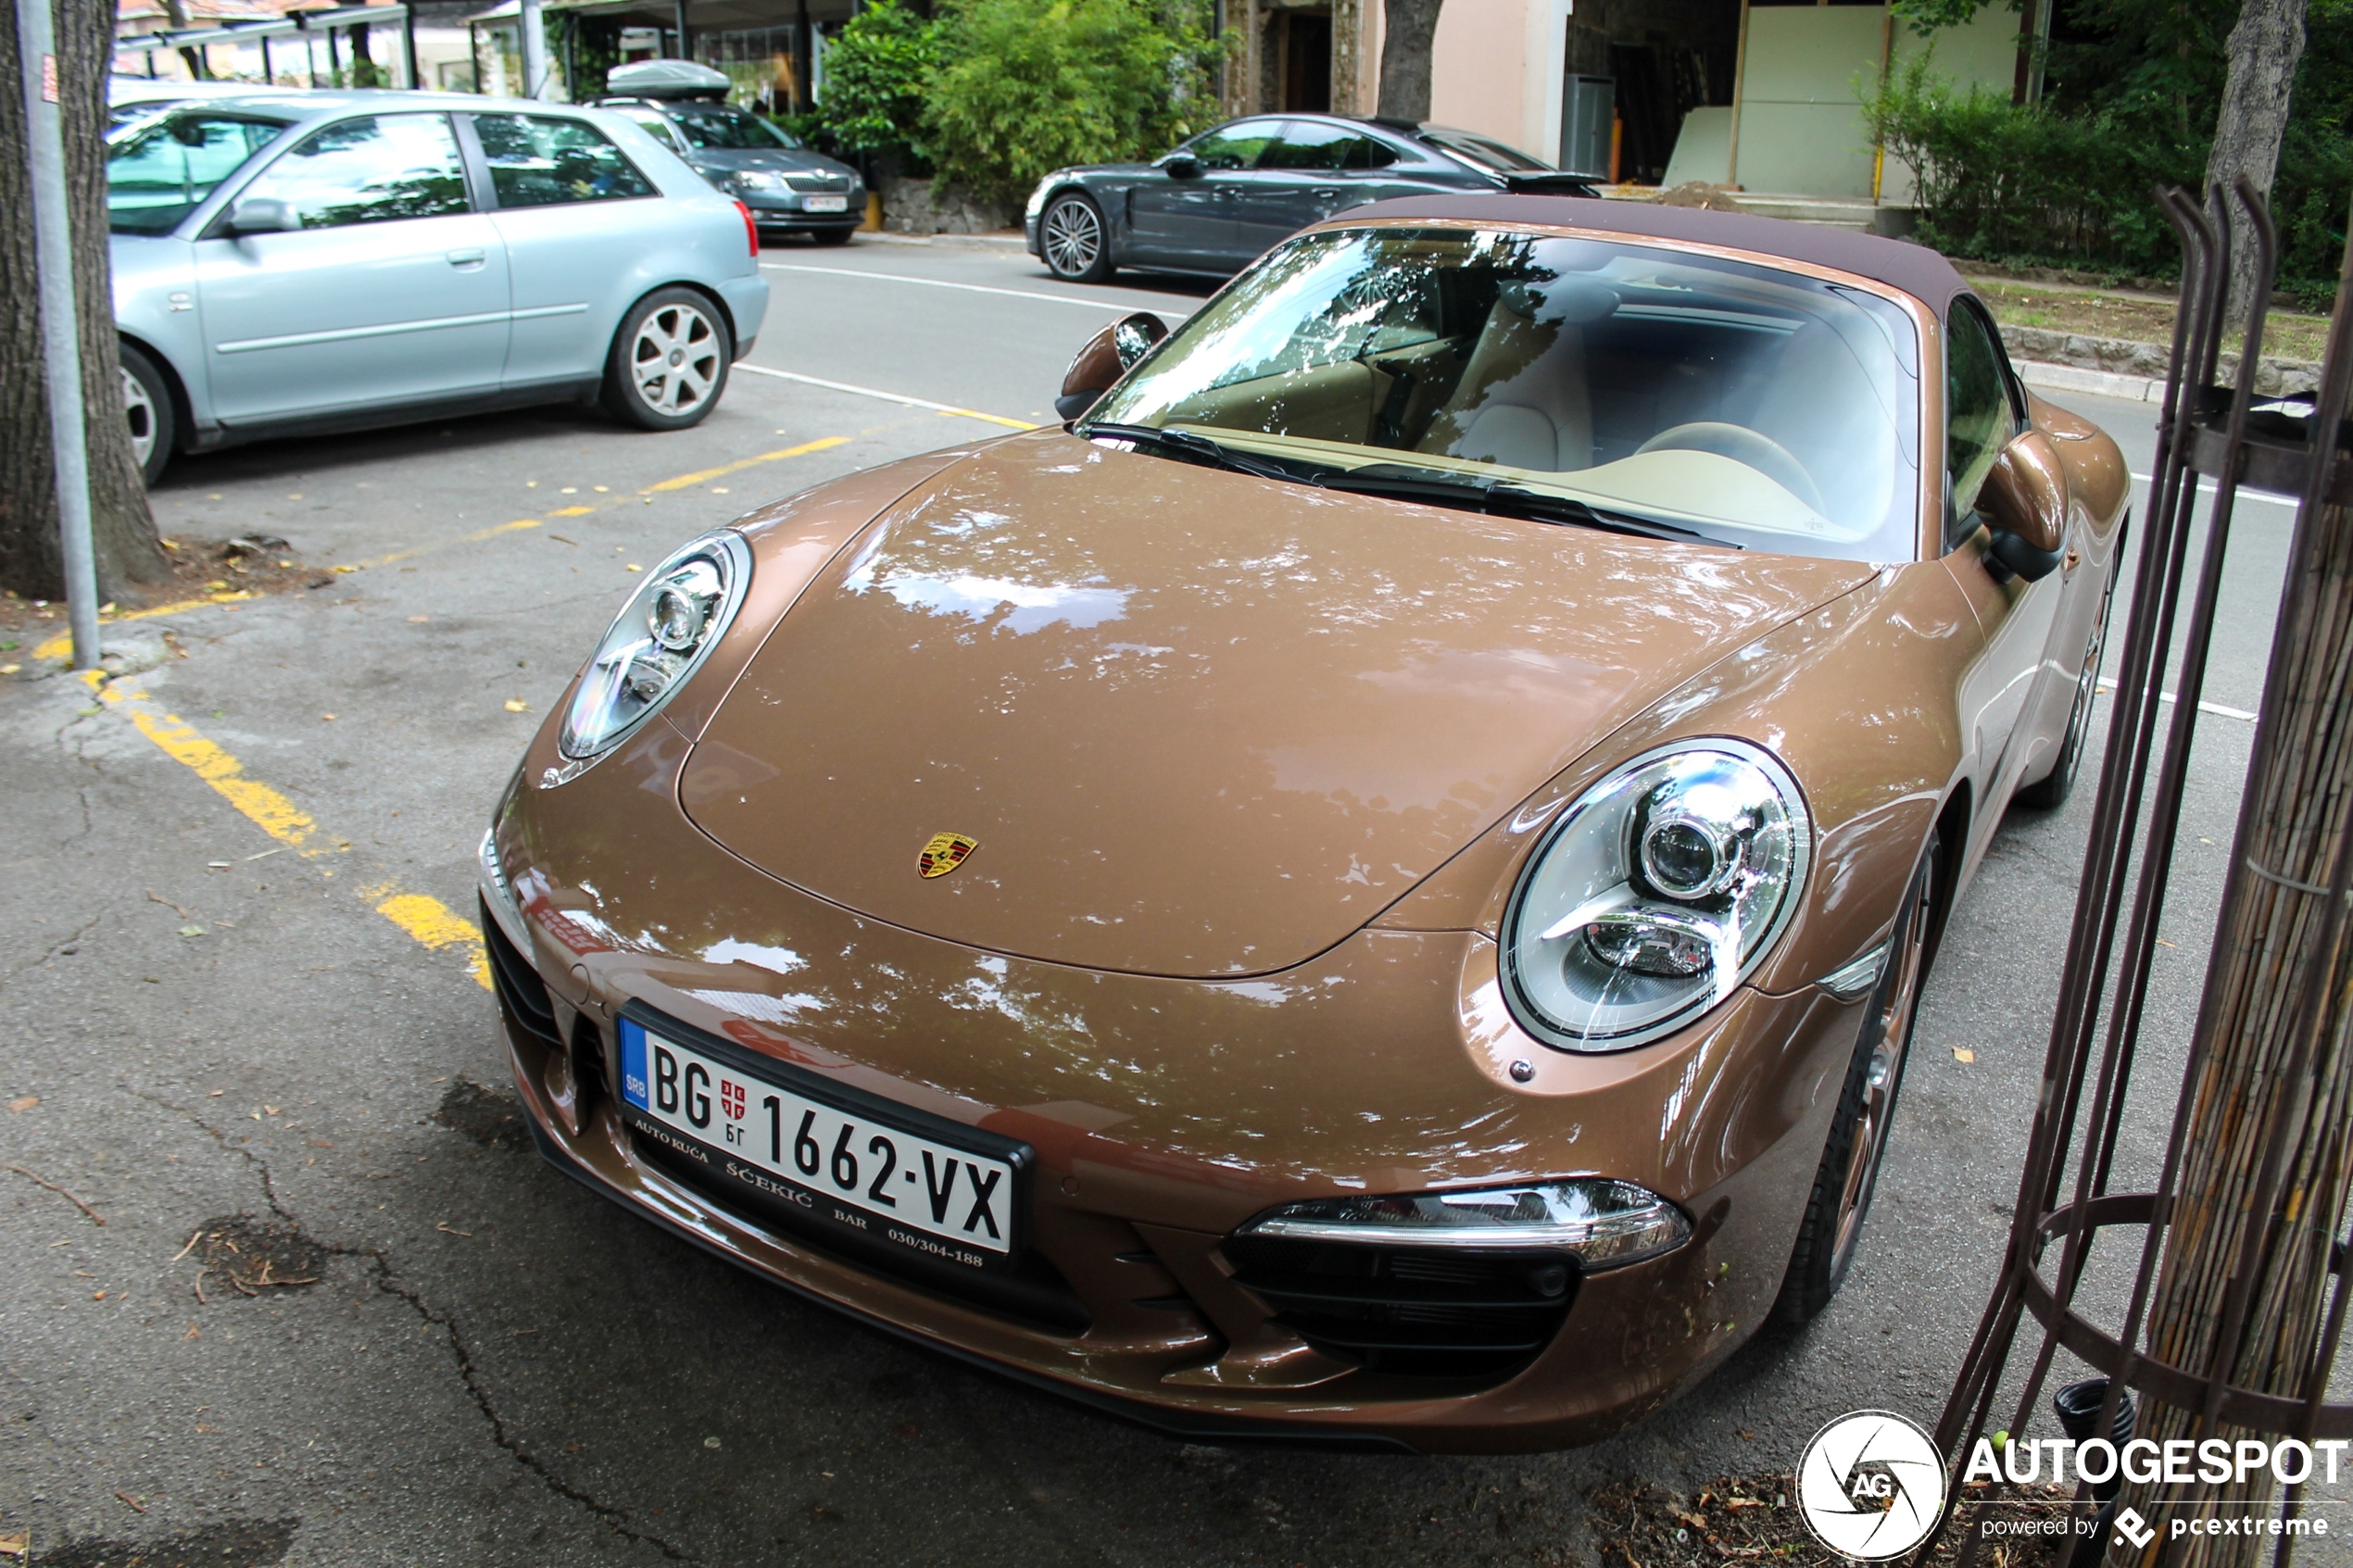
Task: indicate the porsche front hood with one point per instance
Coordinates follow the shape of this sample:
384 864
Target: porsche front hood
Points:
1199 723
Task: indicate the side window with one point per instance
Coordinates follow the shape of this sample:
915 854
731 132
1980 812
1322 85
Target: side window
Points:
1233 146
1367 152
155 178
539 160
375 170
658 126
1978 418
1306 144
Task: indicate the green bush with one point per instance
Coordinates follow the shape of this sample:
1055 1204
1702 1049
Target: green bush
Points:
1998 180
878 73
1024 87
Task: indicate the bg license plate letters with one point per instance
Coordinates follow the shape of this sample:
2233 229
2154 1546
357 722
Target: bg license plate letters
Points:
937 1199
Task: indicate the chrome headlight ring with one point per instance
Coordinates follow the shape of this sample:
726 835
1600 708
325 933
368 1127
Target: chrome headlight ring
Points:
655 645
1655 894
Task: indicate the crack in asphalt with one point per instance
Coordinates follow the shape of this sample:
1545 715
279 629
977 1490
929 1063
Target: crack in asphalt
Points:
613 1518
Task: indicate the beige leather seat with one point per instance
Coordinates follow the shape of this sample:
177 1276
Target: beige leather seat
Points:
1524 400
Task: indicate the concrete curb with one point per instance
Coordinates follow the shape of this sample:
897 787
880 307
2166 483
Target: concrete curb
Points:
962 241
2101 384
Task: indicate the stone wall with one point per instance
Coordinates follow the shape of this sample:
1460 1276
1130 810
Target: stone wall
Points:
925 207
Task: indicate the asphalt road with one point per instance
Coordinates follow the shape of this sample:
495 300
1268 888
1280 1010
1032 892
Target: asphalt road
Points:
236 1038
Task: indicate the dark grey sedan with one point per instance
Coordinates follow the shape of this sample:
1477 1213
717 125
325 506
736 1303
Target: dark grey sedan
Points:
788 188
1221 200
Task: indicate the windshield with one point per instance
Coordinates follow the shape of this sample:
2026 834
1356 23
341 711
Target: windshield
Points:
716 125
1751 406
156 176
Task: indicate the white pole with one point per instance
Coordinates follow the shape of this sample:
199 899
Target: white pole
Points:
60 325
534 48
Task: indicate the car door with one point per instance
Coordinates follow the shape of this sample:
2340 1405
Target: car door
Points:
1983 414
1296 181
572 212
391 290
1191 221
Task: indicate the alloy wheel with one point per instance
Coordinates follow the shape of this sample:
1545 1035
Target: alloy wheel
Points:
141 411
1074 237
1907 965
675 361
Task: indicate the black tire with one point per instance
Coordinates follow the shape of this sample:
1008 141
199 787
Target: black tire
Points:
147 397
2052 789
668 364
1848 1175
1074 241
832 236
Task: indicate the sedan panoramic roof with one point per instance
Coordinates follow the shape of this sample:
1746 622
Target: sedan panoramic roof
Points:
1914 268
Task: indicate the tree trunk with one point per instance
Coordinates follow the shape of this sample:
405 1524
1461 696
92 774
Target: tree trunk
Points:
123 530
1404 58
2264 48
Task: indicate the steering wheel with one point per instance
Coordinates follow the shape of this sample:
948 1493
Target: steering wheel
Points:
1742 445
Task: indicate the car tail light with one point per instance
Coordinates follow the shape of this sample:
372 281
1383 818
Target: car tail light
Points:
751 229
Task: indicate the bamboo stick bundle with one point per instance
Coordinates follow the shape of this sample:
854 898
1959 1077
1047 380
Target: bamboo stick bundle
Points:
2267 1160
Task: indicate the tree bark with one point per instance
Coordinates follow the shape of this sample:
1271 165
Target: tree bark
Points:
123 530
1410 25
2264 48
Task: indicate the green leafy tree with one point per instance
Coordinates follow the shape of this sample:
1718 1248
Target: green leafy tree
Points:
1025 87
878 74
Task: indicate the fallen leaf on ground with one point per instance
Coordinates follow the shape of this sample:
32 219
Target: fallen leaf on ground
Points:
192 931
635 567
515 705
1962 1053
24 1102
447 1229
9 669
418 620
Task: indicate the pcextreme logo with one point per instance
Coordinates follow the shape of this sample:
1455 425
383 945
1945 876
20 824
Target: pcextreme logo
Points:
1870 1485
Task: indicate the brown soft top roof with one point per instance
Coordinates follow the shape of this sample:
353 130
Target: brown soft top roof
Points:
1914 268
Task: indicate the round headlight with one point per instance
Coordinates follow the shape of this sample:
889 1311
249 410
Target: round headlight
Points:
661 638
1655 893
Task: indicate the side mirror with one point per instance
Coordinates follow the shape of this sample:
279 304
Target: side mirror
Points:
261 215
1181 166
2024 501
1106 359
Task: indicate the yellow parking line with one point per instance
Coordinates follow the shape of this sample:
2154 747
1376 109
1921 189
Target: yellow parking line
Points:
474 538
61 646
724 469
427 919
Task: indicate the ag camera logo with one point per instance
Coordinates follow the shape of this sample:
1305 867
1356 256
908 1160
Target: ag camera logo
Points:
1870 1485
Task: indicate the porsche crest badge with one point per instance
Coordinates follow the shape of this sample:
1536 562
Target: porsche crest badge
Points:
945 853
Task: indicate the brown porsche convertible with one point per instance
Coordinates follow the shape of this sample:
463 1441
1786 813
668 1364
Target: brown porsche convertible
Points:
1372 886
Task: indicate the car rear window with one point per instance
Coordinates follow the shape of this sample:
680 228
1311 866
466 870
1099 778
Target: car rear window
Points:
546 161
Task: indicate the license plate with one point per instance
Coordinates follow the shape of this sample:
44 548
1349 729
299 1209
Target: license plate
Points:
841 1157
825 203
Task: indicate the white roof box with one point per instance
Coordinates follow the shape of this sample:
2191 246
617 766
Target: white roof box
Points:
665 78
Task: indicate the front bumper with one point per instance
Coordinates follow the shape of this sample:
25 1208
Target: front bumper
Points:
1383 1066
786 213
1029 241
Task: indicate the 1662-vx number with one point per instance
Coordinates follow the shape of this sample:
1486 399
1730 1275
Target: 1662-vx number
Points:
895 1181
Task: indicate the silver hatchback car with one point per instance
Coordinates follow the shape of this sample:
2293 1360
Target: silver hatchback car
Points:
292 263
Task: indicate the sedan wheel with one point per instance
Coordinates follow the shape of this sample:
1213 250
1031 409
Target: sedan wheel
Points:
147 407
669 362
1071 238
1848 1175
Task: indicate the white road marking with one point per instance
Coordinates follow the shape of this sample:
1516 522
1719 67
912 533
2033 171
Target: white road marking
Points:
970 288
2205 487
886 396
2108 685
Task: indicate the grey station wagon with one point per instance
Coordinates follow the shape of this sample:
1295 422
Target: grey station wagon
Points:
296 263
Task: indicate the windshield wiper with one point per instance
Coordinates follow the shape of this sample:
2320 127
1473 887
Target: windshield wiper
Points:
1185 443
1405 482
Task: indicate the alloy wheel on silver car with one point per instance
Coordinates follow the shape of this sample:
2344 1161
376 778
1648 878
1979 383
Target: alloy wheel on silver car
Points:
141 411
1073 237
675 361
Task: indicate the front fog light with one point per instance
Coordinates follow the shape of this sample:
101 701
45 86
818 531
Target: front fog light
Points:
1605 1223
657 643
1655 894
